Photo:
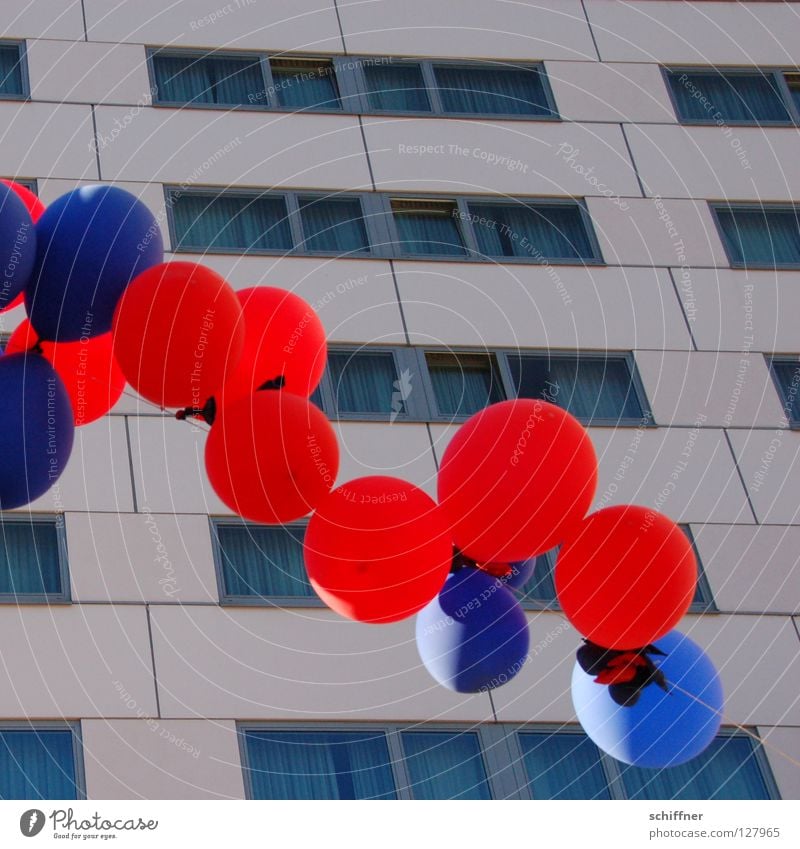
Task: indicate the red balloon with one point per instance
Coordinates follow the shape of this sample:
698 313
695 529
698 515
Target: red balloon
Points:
514 477
177 329
625 576
87 368
377 549
283 338
272 457
35 208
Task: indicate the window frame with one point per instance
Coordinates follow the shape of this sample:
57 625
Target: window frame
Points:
779 83
717 206
30 183
73 726
56 519
25 82
784 359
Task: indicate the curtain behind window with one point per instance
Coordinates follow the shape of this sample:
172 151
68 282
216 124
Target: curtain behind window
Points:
298 86
463 384
736 97
399 88
29 558
788 374
37 765
10 71
563 766
761 237
212 79
492 91
431 233
364 382
445 765
333 224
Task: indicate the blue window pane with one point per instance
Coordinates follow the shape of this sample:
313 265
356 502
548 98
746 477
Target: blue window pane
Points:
727 97
492 91
397 88
428 228
563 766
37 765
764 236
319 765
588 387
445 765
728 769
539 233
367 383
463 383
30 561
541 587
304 85
787 374
263 561
334 225
10 71
230 222
208 79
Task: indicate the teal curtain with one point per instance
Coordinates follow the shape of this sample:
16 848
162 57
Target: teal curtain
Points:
365 382
10 70
736 97
319 765
208 79
764 236
461 388
728 769
788 374
588 387
263 561
396 88
432 233
230 222
37 764
563 766
445 765
302 88
492 91
29 558
334 225
541 233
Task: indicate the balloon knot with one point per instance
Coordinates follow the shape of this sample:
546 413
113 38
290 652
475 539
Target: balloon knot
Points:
276 383
208 412
461 560
625 672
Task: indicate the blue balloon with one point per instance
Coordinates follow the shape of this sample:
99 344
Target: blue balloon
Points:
663 728
474 635
17 245
91 242
521 572
36 428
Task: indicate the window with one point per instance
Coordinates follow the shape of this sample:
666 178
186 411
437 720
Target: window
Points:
218 79
32 559
427 227
399 87
463 383
542 232
366 382
40 762
29 184
786 375
488 761
13 74
304 84
734 97
473 90
333 225
259 563
765 236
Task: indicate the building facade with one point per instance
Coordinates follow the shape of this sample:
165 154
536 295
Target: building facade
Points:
591 202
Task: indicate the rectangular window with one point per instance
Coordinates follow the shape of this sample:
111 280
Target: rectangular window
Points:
793 84
760 236
541 232
563 766
463 383
365 382
32 564
39 763
12 78
733 97
591 388
230 222
257 562
427 227
786 375
304 84
333 225
446 765
472 90
219 80
396 88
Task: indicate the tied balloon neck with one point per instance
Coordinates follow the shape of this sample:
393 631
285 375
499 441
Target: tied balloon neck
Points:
37 348
208 412
275 383
461 561
626 672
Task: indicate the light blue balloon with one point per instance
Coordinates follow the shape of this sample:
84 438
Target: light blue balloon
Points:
663 728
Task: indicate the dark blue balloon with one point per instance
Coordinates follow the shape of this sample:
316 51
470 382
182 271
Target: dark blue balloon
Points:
36 428
91 242
663 728
17 245
474 635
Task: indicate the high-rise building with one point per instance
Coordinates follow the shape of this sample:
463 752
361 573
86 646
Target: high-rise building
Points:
591 202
